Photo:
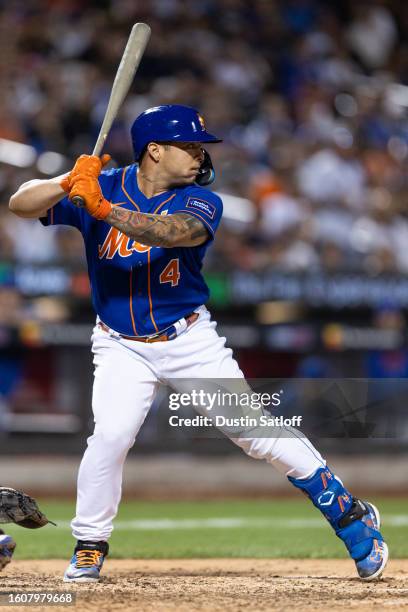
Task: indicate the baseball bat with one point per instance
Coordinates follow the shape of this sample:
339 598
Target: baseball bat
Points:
135 47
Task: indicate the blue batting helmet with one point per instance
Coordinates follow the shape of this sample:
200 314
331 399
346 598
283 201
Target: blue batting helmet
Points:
168 123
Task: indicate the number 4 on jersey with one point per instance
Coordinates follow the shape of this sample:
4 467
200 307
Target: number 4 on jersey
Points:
171 273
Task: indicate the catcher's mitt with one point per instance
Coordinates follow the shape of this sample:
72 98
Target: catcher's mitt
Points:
17 507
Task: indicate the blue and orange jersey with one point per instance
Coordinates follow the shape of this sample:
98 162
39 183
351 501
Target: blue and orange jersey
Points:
139 290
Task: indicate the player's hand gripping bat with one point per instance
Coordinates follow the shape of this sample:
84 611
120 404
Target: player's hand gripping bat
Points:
135 47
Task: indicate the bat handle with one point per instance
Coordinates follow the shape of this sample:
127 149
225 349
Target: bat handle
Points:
78 201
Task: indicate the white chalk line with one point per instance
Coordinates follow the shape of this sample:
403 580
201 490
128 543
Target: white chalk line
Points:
390 520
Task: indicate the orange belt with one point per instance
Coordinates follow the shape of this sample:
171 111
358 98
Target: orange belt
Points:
164 336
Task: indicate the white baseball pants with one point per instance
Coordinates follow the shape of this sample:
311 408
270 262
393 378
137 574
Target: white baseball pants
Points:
127 376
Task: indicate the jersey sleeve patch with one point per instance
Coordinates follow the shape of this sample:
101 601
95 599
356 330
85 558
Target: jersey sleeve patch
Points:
206 208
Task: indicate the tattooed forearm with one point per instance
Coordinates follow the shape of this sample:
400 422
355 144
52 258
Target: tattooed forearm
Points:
159 230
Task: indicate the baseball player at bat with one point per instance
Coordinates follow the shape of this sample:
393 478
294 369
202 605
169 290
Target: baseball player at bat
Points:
146 230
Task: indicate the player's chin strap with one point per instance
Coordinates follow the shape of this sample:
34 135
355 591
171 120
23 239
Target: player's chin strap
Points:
206 174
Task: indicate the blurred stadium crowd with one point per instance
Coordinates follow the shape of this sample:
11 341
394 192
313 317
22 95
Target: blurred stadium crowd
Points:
310 97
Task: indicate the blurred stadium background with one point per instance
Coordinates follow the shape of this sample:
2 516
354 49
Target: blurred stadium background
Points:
309 269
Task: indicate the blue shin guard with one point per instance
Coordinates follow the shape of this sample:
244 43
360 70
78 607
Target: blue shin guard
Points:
355 522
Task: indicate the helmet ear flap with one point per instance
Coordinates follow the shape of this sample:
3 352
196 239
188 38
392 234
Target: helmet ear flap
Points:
206 173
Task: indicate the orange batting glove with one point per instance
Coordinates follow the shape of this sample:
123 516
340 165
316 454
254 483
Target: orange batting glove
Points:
88 188
89 165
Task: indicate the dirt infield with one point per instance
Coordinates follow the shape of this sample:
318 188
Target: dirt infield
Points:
216 584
